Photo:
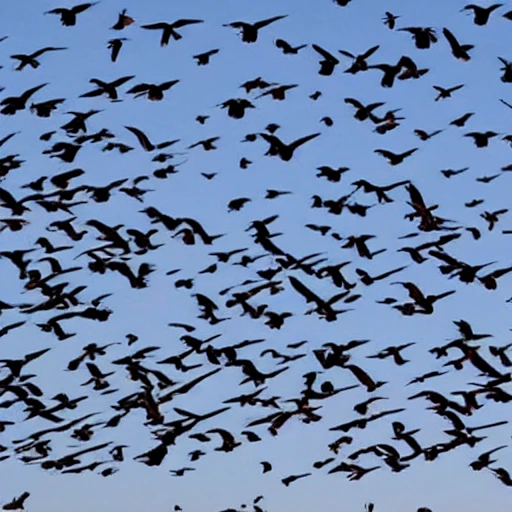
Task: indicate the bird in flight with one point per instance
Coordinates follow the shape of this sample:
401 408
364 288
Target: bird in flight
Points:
68 16
169 29
249 31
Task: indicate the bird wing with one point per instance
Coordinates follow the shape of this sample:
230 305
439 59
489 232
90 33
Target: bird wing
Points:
268 21
167 85
353 102
121 81
370 51
385 153
304 291
324 53
183 22
141 137
82 7
347 54
295 144
451 39
156 26
139 88
29 92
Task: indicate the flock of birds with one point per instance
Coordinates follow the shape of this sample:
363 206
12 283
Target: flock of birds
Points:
52 298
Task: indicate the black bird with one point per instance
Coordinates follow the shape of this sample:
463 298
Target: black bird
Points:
204 58
68 16
363 112
459 51
249 31
123 21
481 139
152 92
446 93
328 63
17 503
390 20
45 108
359 61
169 29
145 142
285 151
115 45
287 48
30 59
481 14
394 158
289 479
12 104
108 88
422 36
236 107
461 121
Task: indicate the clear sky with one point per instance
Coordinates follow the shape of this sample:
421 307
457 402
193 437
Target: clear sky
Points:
228 480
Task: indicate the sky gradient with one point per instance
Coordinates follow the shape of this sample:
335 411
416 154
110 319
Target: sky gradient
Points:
227 480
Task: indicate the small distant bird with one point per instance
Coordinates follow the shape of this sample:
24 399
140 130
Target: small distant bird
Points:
446 93
389 20
287 48
204 58
115 45
123 21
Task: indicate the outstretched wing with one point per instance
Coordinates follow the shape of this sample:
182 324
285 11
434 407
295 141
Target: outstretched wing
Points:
324 53
295 144
142 138
268 21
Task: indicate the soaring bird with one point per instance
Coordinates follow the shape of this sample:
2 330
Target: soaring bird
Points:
169 29
481 14
249 31
30 59
68 16
285 151
153 92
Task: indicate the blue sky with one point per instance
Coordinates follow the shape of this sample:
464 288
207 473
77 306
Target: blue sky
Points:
224 480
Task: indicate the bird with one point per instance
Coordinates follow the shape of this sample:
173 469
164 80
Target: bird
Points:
287 48
285 151
68 16
390 20
423 36
12 104
169 29
123 21
359 61
328 63
17 503
446 93
115 45
249 31
108 88
31 59
481 14
395 158
204 58
481 139
144 141
459 51
153 92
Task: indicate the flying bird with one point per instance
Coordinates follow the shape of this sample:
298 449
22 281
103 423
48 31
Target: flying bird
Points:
169 29
249 31
68 16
